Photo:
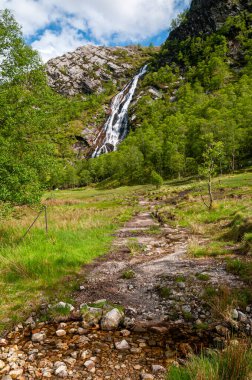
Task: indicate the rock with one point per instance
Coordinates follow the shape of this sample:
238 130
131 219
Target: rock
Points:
147 376
91 315
111 320
2 365
186 308
86 355
248 309
89 364
3 342
60 333
15 373
38 337
123 345
234 314
82 287
181 285
61 371
125 333
64 305
242 317
158 368
7 377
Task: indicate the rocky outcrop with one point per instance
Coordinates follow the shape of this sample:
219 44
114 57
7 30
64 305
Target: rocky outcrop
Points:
89 68
207 16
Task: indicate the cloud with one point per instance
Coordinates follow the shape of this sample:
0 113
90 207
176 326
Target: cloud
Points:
53 43
100 21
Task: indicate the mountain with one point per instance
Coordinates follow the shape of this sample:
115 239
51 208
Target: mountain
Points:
196 94
89 68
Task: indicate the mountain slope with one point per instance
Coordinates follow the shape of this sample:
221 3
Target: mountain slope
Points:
90 68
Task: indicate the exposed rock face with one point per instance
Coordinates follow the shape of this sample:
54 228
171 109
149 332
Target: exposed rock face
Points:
207 16
88 68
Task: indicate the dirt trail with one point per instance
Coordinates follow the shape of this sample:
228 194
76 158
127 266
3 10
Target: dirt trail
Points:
158 261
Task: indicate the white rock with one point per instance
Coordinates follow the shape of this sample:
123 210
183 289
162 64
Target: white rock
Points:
242 317
61 371
123 345
111 320
86 355
60 332
38 337
158 368
89 364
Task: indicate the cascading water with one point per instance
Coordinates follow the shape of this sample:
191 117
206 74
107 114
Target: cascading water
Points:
116 127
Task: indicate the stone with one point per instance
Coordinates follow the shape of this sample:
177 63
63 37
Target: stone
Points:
123 345
7 377
234 314
86 355
89 364
15 373
147 376
248 309
38 337
181 285
111 320
186 308
61 371
242 317
60 333
125 333
3 342
158 368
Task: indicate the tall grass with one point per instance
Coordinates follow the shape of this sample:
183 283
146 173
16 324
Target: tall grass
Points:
234 363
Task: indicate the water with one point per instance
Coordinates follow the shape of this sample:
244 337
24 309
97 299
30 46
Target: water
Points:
116 127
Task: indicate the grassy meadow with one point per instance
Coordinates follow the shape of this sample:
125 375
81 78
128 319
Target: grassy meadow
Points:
81 227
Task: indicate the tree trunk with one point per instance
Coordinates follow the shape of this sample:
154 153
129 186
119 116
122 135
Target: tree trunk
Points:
210 193
233 162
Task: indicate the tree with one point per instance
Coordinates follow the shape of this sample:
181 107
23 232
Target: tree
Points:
34 133
213 152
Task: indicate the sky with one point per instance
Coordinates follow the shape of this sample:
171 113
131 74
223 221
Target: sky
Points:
54 27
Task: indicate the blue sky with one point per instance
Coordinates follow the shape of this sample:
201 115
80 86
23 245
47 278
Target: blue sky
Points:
54 27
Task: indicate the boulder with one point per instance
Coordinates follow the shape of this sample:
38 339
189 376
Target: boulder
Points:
111 320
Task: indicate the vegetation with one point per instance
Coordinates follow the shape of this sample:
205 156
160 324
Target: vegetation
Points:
234 363
81 227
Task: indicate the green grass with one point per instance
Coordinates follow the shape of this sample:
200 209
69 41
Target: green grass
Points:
241 268
203 276
128 274
234 363
82 224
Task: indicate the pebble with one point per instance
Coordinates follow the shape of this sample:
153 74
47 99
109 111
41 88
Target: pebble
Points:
38 337
60 333
158 368
123 345
61 371
89 364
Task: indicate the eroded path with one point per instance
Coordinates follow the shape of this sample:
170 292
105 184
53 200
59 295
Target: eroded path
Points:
149 274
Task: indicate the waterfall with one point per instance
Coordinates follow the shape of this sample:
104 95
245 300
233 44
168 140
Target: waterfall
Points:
116 127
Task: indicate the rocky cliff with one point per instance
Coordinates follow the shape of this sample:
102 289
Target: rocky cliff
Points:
207 16
89 68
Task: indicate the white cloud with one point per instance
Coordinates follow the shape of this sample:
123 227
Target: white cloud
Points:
122 20
52 44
